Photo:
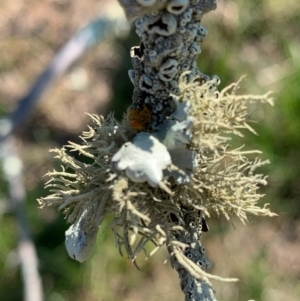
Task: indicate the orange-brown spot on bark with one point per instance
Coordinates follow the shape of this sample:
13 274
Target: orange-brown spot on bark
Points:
139 119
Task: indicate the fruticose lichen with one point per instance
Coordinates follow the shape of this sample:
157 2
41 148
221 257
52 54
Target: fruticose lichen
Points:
169 163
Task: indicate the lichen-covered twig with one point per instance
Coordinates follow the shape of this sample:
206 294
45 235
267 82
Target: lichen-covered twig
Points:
169 164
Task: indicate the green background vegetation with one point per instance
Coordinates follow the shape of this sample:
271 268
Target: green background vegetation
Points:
259 38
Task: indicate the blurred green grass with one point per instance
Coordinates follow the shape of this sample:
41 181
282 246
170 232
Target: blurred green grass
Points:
258 38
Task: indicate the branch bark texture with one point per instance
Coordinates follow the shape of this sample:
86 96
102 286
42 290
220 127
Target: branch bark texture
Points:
170 34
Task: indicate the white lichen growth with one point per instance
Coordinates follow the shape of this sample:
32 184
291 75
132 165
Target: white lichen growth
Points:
143 160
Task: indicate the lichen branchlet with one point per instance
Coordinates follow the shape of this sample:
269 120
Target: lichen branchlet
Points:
169 164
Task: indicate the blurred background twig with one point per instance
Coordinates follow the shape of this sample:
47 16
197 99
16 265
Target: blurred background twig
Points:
12 171
88 36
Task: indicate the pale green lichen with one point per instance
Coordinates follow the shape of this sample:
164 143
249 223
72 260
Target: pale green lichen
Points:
224 181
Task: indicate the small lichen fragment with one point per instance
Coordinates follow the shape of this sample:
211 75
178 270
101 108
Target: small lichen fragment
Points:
185 161
81 239
177 132
143 160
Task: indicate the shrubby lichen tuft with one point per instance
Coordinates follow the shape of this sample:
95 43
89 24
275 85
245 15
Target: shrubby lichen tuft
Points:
224 181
